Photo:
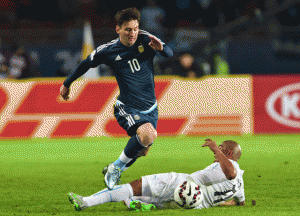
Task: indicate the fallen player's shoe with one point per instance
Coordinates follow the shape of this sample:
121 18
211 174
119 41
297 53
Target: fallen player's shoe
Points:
77 201
140 206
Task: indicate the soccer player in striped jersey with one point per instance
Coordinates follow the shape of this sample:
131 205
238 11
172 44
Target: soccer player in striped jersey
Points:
131 58
221 184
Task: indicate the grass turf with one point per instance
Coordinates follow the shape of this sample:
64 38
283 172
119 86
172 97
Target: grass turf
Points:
36 175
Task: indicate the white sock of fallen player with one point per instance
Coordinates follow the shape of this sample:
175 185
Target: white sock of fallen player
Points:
119 193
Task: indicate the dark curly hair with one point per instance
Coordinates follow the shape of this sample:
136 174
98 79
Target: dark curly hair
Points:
127 15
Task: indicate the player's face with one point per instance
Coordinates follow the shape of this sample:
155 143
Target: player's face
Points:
128 32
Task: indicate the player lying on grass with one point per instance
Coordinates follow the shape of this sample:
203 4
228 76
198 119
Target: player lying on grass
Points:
220 182
131 58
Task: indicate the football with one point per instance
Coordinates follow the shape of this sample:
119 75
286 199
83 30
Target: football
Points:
188 195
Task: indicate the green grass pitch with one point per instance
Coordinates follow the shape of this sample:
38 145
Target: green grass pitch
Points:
36 175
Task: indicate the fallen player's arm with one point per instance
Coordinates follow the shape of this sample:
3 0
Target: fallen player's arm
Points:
233 203
226 165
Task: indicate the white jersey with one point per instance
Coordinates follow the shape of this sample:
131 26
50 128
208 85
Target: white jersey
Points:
216 187
159 188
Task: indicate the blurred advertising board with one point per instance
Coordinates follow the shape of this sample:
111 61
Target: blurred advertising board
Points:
276 104
209 106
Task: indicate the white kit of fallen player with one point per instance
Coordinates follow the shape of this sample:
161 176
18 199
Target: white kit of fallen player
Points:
221 183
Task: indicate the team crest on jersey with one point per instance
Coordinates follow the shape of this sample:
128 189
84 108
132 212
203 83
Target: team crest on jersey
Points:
141 48
137 117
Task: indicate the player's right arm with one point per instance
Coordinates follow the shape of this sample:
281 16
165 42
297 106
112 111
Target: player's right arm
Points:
81 69
227 167
238 199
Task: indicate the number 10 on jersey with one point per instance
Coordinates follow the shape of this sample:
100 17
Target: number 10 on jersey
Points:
134 65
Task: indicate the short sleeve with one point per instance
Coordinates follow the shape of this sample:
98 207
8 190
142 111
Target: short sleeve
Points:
240 195
209 175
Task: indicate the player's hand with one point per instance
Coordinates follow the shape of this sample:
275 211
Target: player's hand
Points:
211 144
64 92
155 44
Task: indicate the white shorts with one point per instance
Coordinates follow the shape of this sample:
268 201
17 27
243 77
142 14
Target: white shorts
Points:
162 186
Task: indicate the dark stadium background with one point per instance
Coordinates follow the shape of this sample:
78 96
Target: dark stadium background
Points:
264 34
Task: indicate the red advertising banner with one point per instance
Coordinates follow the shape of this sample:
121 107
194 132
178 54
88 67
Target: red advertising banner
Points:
276 104
210 106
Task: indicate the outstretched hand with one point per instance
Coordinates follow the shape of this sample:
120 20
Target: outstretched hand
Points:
64 92
211 144
155 43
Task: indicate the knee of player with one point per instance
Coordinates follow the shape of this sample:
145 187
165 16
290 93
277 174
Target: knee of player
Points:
147 134
153 136
148 137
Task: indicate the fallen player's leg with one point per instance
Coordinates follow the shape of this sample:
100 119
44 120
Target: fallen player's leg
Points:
119 193
159 188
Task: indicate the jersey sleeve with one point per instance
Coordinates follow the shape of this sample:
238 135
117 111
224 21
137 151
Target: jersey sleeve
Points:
166 52
146 37
81 69
240 195
210 175
98 56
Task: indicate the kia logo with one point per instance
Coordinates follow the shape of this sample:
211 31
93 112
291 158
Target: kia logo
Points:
288 107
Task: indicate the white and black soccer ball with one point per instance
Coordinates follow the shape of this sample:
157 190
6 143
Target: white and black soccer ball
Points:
188 195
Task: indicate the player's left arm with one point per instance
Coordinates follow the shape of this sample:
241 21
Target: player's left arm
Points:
233 202
238 198
160 47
